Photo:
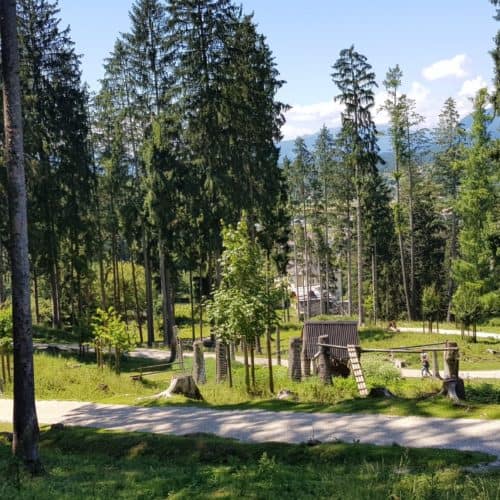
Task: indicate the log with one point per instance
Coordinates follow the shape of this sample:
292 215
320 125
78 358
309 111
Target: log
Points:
185 385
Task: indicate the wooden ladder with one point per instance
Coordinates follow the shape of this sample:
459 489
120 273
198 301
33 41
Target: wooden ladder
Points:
357 371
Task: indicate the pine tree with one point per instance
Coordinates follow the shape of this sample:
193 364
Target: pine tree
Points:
356 81
450 138
60 178
477 270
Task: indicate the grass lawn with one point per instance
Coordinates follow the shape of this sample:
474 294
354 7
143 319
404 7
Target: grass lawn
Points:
86 463
64 377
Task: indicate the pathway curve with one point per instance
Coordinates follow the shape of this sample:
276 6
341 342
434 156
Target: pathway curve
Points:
264 426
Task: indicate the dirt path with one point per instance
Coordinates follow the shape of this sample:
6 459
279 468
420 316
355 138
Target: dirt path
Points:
262 426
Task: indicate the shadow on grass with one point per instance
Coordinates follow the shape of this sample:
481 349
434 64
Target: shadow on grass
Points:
208 449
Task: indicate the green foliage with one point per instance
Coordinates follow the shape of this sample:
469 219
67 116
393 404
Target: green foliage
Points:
6 322
431 302
110 330
477 270
244 303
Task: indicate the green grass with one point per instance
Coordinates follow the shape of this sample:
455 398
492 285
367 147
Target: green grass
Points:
86 463
67 378
473 356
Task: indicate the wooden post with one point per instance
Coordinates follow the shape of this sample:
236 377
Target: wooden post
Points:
220 361
199 372
323 362
453 385
294 361
451 360
435 365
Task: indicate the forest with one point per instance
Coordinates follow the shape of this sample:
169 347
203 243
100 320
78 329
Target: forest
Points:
129 187
164 189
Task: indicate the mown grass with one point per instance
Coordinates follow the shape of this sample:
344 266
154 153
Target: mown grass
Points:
86 463
64 377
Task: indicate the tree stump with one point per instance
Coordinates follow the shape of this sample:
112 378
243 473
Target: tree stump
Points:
185 385
294 361
199 372
221 367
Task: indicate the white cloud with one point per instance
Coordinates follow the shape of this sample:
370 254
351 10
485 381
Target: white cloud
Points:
470 87
446 67
467 92
419 93
308 119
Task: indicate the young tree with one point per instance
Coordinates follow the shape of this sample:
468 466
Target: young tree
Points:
240 307
25 435
356 82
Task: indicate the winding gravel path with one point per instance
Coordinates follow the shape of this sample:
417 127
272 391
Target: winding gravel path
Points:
261 426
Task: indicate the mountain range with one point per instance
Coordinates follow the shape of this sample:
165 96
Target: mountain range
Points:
384 141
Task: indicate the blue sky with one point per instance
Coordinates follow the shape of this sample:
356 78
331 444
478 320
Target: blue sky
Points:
441 45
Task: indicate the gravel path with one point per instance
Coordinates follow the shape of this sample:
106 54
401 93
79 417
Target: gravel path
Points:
261 426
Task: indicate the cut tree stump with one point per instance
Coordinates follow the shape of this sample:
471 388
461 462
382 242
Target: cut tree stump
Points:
454 388
185 385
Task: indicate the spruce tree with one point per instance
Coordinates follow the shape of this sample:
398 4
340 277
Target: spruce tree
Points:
355 80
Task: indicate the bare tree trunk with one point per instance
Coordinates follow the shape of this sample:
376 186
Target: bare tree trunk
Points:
167 332
359 237
413 297
349 263
374 284
296 268
2 284
25 422
149 291
453 256
191 303
136 300
37 305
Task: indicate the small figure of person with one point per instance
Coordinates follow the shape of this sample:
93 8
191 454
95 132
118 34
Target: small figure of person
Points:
392 327
425 365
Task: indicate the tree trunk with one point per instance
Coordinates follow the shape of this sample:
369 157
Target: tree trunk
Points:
191 303
149 291
25 422
35 291
268 328
374 284
296 269
2 284
359 236
349 264
136 300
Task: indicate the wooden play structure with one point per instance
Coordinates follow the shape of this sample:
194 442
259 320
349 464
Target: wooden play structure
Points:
335 347
336 333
